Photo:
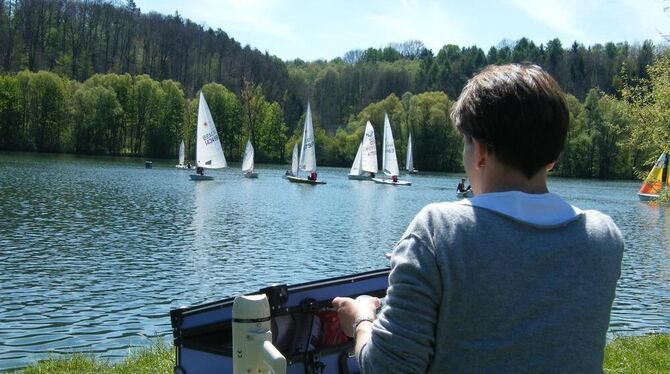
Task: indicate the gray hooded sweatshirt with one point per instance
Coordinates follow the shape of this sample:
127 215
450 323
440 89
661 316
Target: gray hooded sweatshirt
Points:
501 283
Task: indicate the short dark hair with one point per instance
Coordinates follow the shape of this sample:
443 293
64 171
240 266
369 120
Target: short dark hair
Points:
518 112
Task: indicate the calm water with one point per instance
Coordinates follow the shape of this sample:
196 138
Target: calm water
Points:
94 252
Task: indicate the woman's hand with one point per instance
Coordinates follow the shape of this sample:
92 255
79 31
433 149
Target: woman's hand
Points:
350 310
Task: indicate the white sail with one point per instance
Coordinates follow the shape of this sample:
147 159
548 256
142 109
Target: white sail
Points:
209 153
307 152
248 161
369 151
181 153
356 166
409 163
389 159
294 160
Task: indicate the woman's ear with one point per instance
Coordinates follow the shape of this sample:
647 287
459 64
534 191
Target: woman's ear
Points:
481 153
550 167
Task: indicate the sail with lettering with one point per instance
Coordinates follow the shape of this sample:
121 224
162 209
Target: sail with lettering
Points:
389 159
657 179
307 151
365 163
307 160
209 153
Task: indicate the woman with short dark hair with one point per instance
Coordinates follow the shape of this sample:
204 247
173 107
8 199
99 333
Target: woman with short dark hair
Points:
514 279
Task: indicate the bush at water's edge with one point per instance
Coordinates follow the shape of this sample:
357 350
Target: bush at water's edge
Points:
640 354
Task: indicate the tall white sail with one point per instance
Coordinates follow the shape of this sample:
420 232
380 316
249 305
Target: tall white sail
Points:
356 166
248 161
209 153
181 153
294 160
369 151
389 160
307 152
409 163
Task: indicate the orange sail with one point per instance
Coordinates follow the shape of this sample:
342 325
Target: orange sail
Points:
653 184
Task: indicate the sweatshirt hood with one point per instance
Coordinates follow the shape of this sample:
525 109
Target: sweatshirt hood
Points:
542 210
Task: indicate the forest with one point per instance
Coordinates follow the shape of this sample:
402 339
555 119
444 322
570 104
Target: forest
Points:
101 77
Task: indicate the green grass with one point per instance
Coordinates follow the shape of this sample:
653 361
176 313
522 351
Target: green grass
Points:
159 358
641 354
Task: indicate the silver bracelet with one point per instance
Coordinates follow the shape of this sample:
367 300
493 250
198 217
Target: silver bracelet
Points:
358 322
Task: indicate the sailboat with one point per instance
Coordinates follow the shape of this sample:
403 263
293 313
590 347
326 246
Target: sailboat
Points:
389 159
657 179
208 151
181 165
307 154
248 161
294 163
409 162
365 163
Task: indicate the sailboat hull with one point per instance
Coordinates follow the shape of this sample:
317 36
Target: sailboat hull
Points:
647 197
359 177
198 177
203 333
391 182
182 166
251 175
303 180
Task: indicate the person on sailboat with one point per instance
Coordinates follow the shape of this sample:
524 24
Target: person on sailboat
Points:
200 170
312 176
513 280
188 165
394 178
461 186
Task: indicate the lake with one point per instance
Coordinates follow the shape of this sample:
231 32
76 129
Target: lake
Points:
95 251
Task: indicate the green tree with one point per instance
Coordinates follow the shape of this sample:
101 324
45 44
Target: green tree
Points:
43 102
10 114
437 145
648 105
148 103
122 85
96 119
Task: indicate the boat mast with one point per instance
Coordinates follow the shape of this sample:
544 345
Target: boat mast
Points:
664 173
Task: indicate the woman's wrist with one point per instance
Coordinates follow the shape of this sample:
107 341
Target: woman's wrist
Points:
358 321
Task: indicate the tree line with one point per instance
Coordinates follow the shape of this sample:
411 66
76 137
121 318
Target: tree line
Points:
113 114
345 85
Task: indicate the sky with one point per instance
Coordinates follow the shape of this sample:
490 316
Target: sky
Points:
322 29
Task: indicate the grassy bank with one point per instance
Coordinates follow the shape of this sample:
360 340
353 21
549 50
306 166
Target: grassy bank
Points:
644 354
158 358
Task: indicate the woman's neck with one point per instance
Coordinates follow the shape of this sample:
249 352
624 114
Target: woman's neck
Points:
501 178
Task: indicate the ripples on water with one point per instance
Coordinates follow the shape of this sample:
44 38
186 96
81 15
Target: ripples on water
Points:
94 252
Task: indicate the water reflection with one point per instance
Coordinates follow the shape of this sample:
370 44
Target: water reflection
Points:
94 252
